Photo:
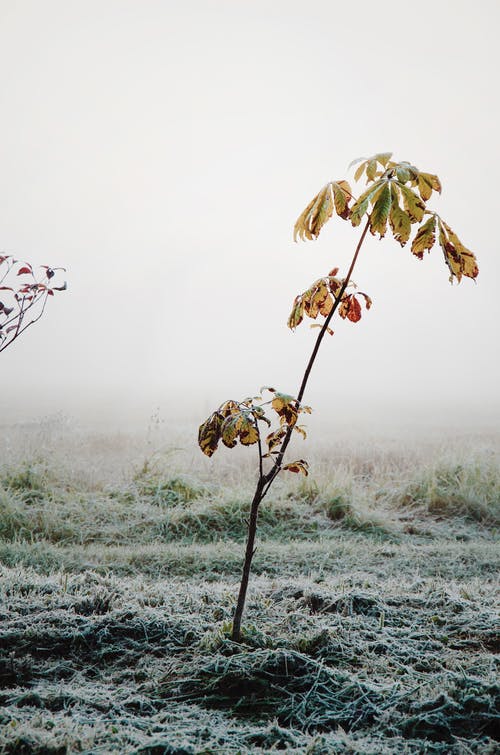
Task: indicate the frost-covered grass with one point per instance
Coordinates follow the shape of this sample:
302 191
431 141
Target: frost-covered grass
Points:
371 624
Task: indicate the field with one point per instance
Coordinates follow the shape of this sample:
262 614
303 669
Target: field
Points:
371 624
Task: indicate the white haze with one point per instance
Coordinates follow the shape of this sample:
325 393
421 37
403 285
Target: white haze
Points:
161 152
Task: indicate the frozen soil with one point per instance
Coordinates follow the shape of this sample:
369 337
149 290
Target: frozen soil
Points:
362 634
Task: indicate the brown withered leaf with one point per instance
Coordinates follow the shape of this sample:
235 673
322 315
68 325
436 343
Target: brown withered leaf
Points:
300 465
334 284
229 408
209 433
350 308
315 298
425 237
285 407
368 300
326 306
248 433
318 325
460 260
320 299
274 439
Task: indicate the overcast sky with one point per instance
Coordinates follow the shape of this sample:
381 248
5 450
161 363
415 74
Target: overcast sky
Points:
161 152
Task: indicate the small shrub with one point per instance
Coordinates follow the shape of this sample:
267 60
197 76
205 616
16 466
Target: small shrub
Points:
395 200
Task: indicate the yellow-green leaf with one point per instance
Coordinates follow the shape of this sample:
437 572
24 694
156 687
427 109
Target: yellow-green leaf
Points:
402 174
427 183
371 170
341 195
359 171
425 238
398 219
230 430
412 203
360 207
370 166
306 226
335 195
260 415
383 158
380 212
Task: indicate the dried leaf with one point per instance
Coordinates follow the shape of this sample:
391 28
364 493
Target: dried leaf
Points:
350 308
368 300
274 439
317 325
460 260
229 408
248 433
315 298
300 466
297 313
209 433
285 407
425 237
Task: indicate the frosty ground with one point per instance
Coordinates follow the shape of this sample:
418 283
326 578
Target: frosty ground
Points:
371 623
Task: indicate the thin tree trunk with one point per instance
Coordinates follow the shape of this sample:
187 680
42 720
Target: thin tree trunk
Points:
266 480
250 550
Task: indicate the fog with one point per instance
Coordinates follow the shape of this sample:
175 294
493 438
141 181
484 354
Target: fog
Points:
161 152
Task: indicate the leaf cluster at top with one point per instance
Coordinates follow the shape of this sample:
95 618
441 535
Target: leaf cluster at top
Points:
396 198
